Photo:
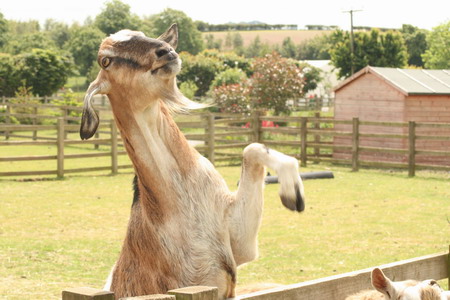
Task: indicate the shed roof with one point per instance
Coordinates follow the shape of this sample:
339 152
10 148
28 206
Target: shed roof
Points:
409 81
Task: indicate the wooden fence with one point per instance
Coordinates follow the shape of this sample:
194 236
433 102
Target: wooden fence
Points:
436 266
221 138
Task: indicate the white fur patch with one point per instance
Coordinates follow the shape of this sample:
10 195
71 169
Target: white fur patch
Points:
107 52
125 35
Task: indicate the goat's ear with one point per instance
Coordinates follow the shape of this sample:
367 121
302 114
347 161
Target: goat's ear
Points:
90 119
170 36
381 283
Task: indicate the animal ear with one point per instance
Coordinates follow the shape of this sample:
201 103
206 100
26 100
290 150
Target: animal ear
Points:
90 119
381 283
170 36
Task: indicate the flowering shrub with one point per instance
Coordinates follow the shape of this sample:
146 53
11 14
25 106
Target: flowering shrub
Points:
275 80
232 98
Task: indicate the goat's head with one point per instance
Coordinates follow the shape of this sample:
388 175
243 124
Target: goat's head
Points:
405 290
133 64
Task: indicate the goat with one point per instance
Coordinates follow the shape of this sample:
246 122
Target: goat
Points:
399 290
186 227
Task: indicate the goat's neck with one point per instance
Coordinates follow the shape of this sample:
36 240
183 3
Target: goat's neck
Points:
158 150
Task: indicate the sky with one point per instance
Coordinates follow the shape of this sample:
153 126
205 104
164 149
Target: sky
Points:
373 13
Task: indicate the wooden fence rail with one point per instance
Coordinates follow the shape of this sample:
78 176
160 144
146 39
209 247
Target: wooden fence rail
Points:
436 266
221 138
61 142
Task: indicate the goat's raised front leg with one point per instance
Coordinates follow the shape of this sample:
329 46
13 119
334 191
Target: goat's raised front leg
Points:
246 210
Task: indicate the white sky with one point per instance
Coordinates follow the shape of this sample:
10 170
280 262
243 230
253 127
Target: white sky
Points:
375 13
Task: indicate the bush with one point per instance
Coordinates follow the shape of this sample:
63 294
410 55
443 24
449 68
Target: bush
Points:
276 80
69 98
188 88
44 70
229 76
232 98
231 60
24 95
199 69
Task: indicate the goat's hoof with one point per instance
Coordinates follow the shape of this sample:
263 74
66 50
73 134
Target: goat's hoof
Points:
294 202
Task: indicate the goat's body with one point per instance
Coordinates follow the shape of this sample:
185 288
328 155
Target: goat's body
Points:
186 228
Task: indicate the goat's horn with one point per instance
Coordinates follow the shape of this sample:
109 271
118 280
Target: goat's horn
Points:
89 119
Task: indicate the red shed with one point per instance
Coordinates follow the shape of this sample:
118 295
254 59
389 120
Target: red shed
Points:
396 95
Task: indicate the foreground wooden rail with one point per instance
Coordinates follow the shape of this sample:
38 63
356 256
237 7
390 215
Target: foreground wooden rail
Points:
436 266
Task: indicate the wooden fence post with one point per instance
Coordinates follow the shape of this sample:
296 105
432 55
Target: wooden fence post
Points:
35 112
64 117
303 138
86 293
97 133
8 119
355 145
210 137
196 293
411 148
448 266
114 155
256 125
317 137
60 148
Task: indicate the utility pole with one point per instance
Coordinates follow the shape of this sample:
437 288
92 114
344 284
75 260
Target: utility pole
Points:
352 47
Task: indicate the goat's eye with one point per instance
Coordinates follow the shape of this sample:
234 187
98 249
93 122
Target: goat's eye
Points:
106 61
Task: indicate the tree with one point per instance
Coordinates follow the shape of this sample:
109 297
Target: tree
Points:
437 56
312 77
416 44
257 48
19 27
9 79
116 16
83 45
3 30
189 39
373 48
17 44
44 70
315 48
275 80
288 48
58 32
211 43
394 53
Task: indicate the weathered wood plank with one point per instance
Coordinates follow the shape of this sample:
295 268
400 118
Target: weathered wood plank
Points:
151 297
196 293
27 158
86 293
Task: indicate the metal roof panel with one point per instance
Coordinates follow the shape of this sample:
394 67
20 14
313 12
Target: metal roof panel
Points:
417 81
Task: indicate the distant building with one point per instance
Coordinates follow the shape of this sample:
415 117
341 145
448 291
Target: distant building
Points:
321 27
396 95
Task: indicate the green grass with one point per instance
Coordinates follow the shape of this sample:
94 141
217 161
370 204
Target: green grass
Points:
56 234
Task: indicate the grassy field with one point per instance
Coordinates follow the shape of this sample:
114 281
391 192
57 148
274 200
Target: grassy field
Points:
56 234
